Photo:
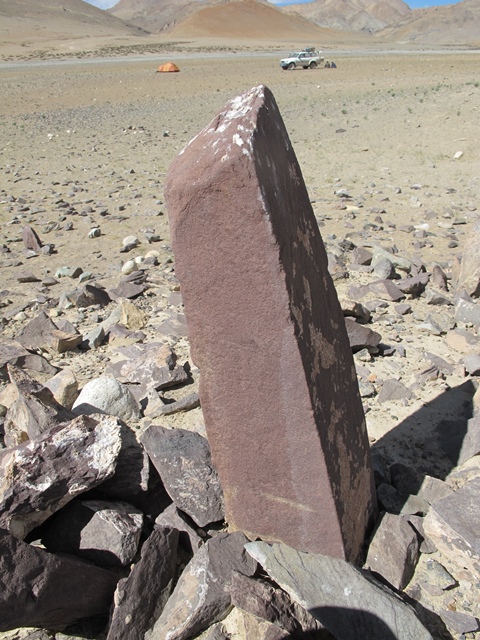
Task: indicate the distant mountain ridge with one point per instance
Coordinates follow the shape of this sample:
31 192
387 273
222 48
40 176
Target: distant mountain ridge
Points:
455 24
344 15
156 16
352 15
252 20
26 22
60 19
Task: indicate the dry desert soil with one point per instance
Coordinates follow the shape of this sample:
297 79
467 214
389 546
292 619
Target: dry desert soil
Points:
397 130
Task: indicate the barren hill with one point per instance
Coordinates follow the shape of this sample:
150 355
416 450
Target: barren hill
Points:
456 24
239 19
249 19
355 15
24 21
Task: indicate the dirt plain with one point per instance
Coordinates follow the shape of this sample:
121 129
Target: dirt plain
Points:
397 129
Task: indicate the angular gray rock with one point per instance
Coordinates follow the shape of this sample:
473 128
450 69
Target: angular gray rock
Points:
398 261
37 333
415 285
459 622
453 524
436 298
130 482
152 365
107 395
361 256
393 389
14 353
94 338
386 290
400 503
42 333
202 594
393 551
141 598
34 411
187 403
173 518
468 276
471 440
87 296
30 239
350 603
433 489
39 477
288 437
127 289
64 386
105 533
39 589
472 364
360 336
467 312
183 460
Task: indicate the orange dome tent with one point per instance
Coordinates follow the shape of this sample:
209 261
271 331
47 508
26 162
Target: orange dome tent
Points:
168 67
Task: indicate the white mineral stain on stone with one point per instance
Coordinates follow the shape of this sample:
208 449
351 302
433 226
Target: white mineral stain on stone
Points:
238 140
40 485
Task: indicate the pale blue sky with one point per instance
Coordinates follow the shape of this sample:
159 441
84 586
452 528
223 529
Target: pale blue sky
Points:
413 4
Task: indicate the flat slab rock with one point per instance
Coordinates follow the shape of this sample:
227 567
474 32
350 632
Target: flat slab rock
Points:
278 386
347 601
183 461
394 550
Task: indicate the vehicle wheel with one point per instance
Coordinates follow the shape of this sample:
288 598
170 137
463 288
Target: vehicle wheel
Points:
313 64
291 65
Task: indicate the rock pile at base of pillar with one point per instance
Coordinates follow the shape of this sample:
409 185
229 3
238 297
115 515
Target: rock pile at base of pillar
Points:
278 386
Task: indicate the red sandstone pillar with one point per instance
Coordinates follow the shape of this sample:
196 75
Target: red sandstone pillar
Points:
277 381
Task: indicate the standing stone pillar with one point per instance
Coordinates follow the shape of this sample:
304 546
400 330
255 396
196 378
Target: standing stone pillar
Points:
278 386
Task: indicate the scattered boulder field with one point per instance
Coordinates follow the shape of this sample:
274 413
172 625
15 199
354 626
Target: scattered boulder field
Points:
112 515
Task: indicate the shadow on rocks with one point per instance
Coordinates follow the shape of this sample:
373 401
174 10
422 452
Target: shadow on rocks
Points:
353 624
430 440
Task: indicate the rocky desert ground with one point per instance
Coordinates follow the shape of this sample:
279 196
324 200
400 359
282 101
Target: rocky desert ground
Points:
388 143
